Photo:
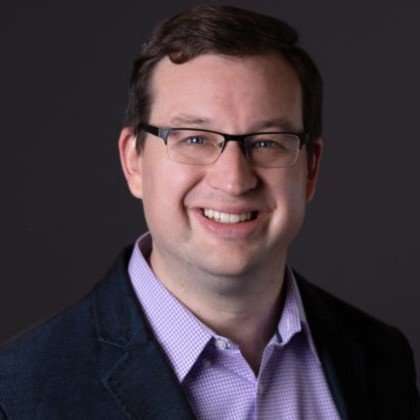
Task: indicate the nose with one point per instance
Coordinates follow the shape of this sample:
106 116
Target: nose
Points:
232 173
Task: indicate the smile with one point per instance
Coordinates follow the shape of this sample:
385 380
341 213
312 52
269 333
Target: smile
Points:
228 218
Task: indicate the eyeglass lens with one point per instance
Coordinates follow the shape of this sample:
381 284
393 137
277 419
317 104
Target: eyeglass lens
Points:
263 149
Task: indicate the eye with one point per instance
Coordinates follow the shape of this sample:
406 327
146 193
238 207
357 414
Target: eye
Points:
195 140
274 143
269 145
265 144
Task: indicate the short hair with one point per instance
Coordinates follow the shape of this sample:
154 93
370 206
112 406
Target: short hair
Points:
225 30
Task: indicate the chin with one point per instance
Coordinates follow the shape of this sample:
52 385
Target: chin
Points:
228 265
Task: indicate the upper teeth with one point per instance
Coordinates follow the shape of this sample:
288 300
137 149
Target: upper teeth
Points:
227 217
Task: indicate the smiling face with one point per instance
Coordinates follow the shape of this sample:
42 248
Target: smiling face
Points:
228 218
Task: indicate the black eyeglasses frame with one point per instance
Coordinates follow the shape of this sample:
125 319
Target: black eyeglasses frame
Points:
163 133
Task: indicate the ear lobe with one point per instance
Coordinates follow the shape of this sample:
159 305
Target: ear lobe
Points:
131 161
314 153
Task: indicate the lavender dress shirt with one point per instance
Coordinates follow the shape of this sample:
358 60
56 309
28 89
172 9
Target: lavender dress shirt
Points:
216 378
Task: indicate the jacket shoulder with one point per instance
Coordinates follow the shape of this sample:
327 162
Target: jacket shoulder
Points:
38 363
383 354
43 344
341 315
60 368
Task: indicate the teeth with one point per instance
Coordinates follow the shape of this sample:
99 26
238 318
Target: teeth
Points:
226 217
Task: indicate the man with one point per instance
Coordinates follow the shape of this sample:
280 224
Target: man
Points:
202 318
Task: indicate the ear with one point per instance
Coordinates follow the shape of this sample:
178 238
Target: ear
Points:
313 153
131 161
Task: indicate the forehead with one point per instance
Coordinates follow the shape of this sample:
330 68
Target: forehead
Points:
225 88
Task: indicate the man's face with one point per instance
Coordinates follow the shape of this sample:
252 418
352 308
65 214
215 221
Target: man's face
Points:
232 95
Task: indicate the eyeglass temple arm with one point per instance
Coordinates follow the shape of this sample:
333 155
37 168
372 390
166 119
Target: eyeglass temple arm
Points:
156 131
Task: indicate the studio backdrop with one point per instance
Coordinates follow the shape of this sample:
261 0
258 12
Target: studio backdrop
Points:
66 211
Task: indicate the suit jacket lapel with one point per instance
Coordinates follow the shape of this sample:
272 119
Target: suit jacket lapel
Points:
137 374
340 351
132 365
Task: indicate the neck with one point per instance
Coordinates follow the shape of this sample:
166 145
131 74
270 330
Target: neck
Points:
244 309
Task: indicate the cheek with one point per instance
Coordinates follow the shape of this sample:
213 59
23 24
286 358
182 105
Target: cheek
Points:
291 199
289 196
165 186
297 195
287 185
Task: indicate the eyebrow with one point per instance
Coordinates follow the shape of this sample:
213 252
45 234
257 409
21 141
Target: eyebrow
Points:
186 119
280 123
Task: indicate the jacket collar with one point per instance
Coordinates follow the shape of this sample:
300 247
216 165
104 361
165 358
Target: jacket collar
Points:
136 372
340 350
132 366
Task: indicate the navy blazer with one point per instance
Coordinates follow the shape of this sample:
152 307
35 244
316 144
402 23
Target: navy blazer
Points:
100 360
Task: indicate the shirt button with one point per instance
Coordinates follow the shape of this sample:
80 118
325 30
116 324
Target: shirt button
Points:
222 344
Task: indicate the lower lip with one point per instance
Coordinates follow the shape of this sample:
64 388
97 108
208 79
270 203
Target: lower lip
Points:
241 230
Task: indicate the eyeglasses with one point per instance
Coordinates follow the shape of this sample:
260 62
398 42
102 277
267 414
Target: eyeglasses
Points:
203 147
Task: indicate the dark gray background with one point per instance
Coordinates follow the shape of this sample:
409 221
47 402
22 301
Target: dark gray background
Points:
65 209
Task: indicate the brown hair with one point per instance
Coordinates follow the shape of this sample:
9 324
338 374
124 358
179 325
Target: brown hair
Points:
222 30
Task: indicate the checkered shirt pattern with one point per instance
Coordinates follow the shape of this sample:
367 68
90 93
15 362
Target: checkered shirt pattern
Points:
216 378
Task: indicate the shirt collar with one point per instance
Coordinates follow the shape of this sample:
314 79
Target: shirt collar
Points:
181 334
293 318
